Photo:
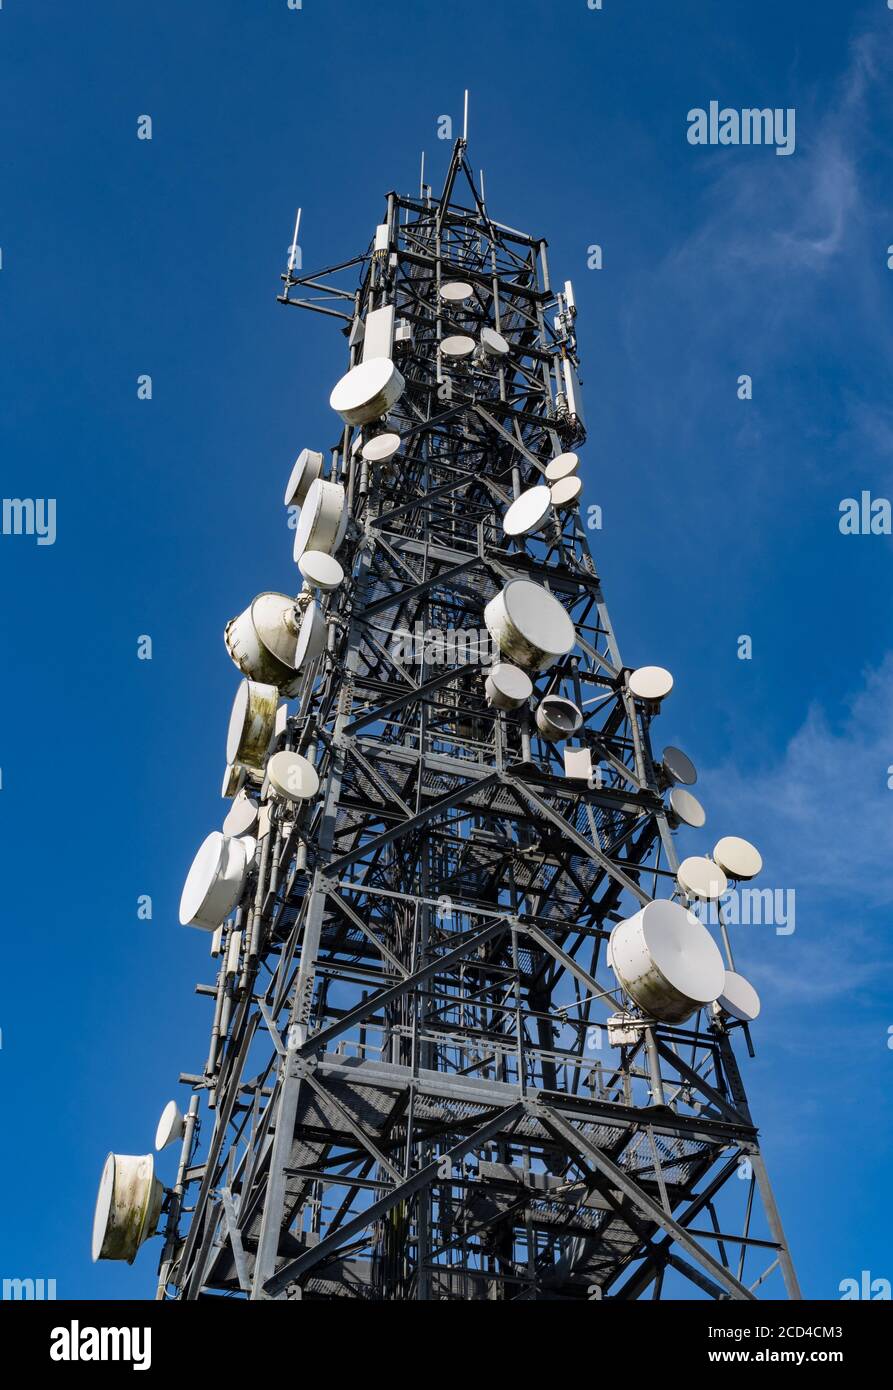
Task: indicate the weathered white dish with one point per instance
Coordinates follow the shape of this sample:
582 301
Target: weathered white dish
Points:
557 718
456 291
457 346
566 492
381 447
667 962
261 641
530 626
562 466
251 724
127 1207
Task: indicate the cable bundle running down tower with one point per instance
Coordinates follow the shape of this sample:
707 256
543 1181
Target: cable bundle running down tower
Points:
469 1041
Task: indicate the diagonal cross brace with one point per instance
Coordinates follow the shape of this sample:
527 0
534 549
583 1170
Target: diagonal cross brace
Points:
387 996
641 1200
423 1178
579 840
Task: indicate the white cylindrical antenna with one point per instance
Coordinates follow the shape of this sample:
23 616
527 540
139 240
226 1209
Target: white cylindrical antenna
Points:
465 120
293 249
422 177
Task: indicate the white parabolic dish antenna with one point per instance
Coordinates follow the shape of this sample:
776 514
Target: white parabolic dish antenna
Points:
679 766
320 570
381 447
687 807
312 637
507 686
528 512
565 492
127 1206
170 1126
368 391
738 857
323 520
455 291
251 724
241 817
667 962
261 640
739 998
458 345
233 781
306 470
292 776
529 624
701 878
650 683
562 466
557 718
215 881
493 344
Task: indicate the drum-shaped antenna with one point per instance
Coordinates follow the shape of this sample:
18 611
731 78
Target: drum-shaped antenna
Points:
557 718
507 686
530 626
128 1206
667 962
216 880
307 469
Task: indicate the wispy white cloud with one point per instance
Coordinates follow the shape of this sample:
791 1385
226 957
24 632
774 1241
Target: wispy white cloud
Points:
826 804
782 253
822 816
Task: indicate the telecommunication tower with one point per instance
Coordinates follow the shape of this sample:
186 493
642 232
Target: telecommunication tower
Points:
469 1038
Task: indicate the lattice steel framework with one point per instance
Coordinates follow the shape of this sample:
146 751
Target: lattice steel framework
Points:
411 1090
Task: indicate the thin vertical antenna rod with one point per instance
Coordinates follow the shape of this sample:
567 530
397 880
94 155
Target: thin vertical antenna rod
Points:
465 120
422 178
293 249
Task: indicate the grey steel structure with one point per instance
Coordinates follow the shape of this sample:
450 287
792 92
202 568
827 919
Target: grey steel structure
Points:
412 1090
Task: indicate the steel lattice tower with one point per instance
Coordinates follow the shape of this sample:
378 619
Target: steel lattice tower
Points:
412 1091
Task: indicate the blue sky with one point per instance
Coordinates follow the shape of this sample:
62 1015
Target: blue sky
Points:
122 257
